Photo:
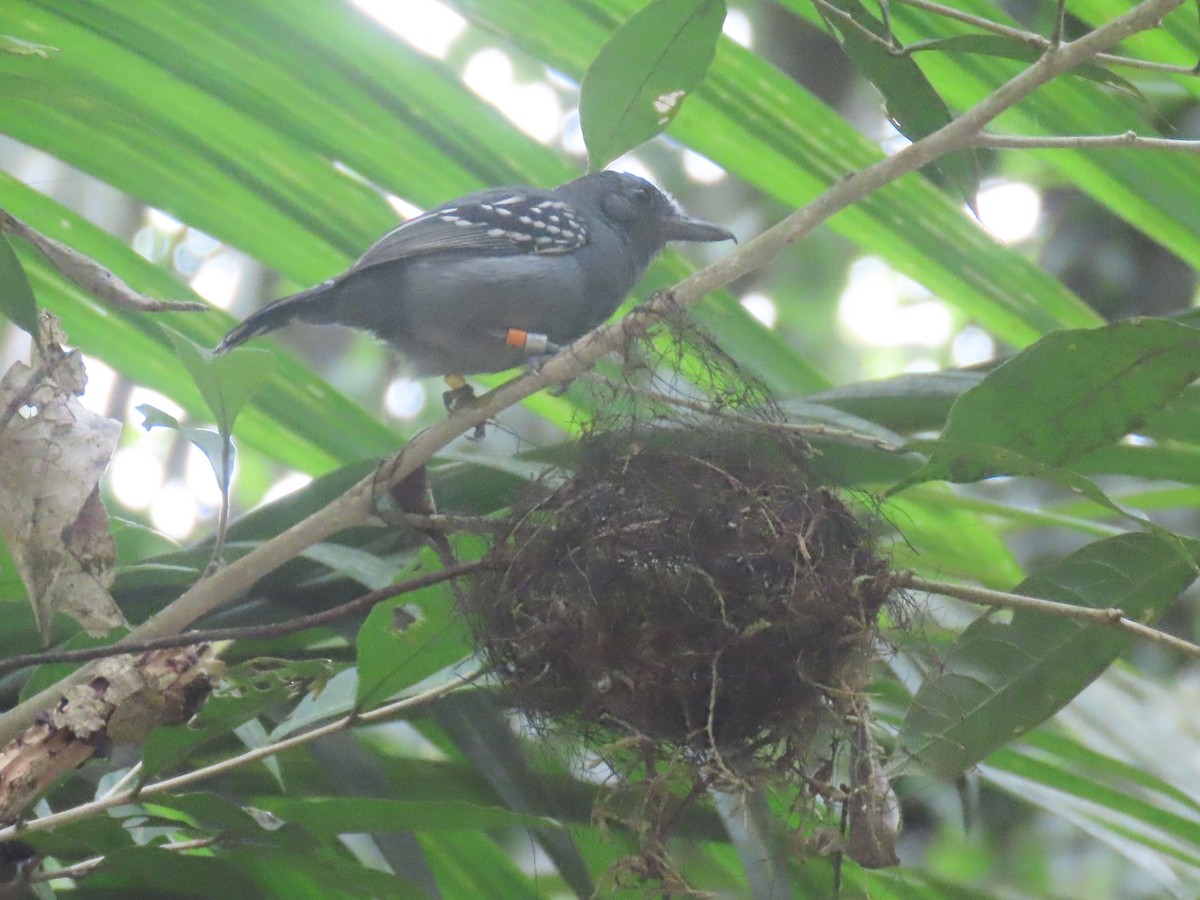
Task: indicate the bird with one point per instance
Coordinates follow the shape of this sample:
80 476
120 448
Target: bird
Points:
497 278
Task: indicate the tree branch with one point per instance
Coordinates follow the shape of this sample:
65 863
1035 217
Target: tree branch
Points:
1041 43
356 505
131 795
1128 140
1090 614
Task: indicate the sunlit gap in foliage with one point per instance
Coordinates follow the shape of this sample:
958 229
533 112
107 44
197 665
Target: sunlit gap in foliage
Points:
761 307
700 168
737 27
534 107
883 308
1010 210
429 26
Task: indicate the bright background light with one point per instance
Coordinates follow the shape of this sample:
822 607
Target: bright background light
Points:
884 308
1010 210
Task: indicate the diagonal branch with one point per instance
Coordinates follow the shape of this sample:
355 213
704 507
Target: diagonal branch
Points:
355 507
129 795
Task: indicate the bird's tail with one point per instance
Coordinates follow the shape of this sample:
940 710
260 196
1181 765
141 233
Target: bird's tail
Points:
305 306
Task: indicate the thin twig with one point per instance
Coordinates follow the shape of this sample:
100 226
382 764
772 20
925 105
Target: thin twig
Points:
1060 23
108 801
449 522
1128 140
88 274
225 476
1111 616
86 867
356 506
828 10
125 780
1036 40
243 632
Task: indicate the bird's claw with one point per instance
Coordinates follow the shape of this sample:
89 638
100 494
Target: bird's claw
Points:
461 396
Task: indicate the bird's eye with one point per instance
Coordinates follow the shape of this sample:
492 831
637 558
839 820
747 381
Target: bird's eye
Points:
643 196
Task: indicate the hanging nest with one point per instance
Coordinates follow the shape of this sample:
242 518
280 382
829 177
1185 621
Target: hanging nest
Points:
691 588
696 608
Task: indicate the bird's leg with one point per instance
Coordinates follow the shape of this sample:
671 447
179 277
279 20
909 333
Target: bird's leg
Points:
460 395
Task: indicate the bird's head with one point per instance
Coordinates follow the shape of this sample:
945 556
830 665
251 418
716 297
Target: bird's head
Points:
644 215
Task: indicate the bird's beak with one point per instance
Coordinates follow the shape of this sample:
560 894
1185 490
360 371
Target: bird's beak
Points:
681 228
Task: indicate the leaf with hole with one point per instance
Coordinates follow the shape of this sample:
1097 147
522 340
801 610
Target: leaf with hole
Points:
637 83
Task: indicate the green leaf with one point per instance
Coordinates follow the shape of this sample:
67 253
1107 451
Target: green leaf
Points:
227 381
407 639
246 692
471 864
480 729
913 401
964 462
210 443
16 296
214 813
938 538
1012 48
369 570
1076 391
911 102
639 80
320 874
333 699
153 872
1000 680
845 455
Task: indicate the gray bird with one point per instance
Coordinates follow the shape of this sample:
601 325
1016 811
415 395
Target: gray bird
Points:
493 279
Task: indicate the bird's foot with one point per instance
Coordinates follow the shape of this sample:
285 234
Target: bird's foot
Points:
535 364
461 396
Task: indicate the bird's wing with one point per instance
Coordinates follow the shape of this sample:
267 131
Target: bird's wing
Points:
499 221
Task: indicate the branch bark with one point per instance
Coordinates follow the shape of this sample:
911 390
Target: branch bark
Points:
1091 614
1126 141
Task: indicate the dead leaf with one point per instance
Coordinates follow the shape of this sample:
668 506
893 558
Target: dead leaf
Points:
52 454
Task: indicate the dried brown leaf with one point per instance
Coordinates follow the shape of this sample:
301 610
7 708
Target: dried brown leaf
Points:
52 454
